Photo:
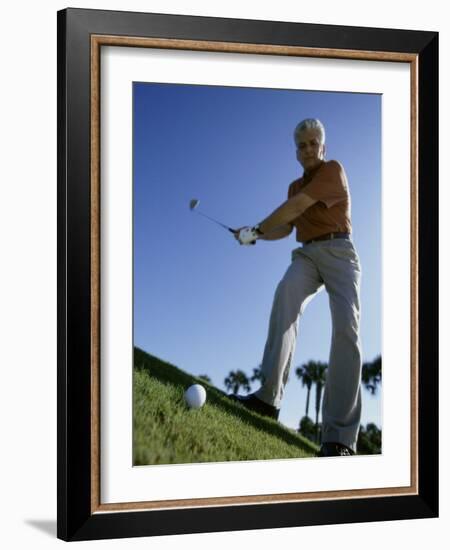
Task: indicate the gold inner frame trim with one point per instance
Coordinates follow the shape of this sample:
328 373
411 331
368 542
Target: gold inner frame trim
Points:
97 41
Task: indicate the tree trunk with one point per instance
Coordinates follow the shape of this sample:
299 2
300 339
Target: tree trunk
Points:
318 398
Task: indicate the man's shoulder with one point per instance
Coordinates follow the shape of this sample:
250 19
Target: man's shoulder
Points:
328 167
333 170
297 181
295 185
333 165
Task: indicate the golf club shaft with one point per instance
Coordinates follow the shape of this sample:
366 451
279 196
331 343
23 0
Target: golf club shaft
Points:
215 221
194 202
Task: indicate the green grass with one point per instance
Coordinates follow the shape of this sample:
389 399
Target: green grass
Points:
166 431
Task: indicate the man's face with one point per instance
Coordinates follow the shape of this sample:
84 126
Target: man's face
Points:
310 151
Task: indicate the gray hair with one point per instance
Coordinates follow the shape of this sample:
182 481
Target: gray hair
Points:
308 124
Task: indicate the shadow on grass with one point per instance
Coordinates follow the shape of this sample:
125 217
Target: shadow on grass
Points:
169 374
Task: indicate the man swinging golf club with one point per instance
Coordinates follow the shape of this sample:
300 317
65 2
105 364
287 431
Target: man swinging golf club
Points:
319 208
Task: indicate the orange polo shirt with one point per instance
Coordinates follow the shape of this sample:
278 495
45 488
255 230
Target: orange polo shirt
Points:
329 186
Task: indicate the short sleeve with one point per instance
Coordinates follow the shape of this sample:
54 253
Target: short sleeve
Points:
329 185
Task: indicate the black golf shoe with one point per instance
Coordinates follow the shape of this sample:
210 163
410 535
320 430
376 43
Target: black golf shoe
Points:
254 404
334 449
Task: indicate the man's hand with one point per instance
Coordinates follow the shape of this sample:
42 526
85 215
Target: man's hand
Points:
246 235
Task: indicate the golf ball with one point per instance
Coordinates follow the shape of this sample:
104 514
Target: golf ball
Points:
195 396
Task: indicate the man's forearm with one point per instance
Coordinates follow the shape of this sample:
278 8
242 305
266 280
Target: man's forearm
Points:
287 212
278 233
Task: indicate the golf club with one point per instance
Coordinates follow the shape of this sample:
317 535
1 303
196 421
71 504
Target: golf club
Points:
193 203
193 207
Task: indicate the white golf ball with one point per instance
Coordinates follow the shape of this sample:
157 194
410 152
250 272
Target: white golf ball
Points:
195 396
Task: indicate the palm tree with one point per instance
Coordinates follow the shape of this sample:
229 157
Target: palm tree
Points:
235 380
257 374
319 379
304 374
371 375
318 374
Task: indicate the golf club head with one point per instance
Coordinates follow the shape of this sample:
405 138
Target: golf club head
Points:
193 204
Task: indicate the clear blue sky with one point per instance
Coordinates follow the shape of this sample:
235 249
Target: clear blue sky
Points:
201 301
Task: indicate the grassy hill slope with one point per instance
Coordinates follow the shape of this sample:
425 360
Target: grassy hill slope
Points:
166 431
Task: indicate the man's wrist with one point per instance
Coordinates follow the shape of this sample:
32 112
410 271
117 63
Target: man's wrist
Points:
257 229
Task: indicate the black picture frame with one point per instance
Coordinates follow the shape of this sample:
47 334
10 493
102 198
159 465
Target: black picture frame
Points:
78 518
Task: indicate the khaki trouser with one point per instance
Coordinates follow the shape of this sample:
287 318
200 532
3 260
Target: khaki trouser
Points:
334 264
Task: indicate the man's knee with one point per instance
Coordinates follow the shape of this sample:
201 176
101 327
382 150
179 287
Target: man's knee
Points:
284 287
346 323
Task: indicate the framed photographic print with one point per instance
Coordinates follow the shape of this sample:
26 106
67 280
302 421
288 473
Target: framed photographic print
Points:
215 176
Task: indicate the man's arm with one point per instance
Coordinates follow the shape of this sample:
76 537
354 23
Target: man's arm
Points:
287 212
278 233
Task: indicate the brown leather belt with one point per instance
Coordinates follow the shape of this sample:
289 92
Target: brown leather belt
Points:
328 236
